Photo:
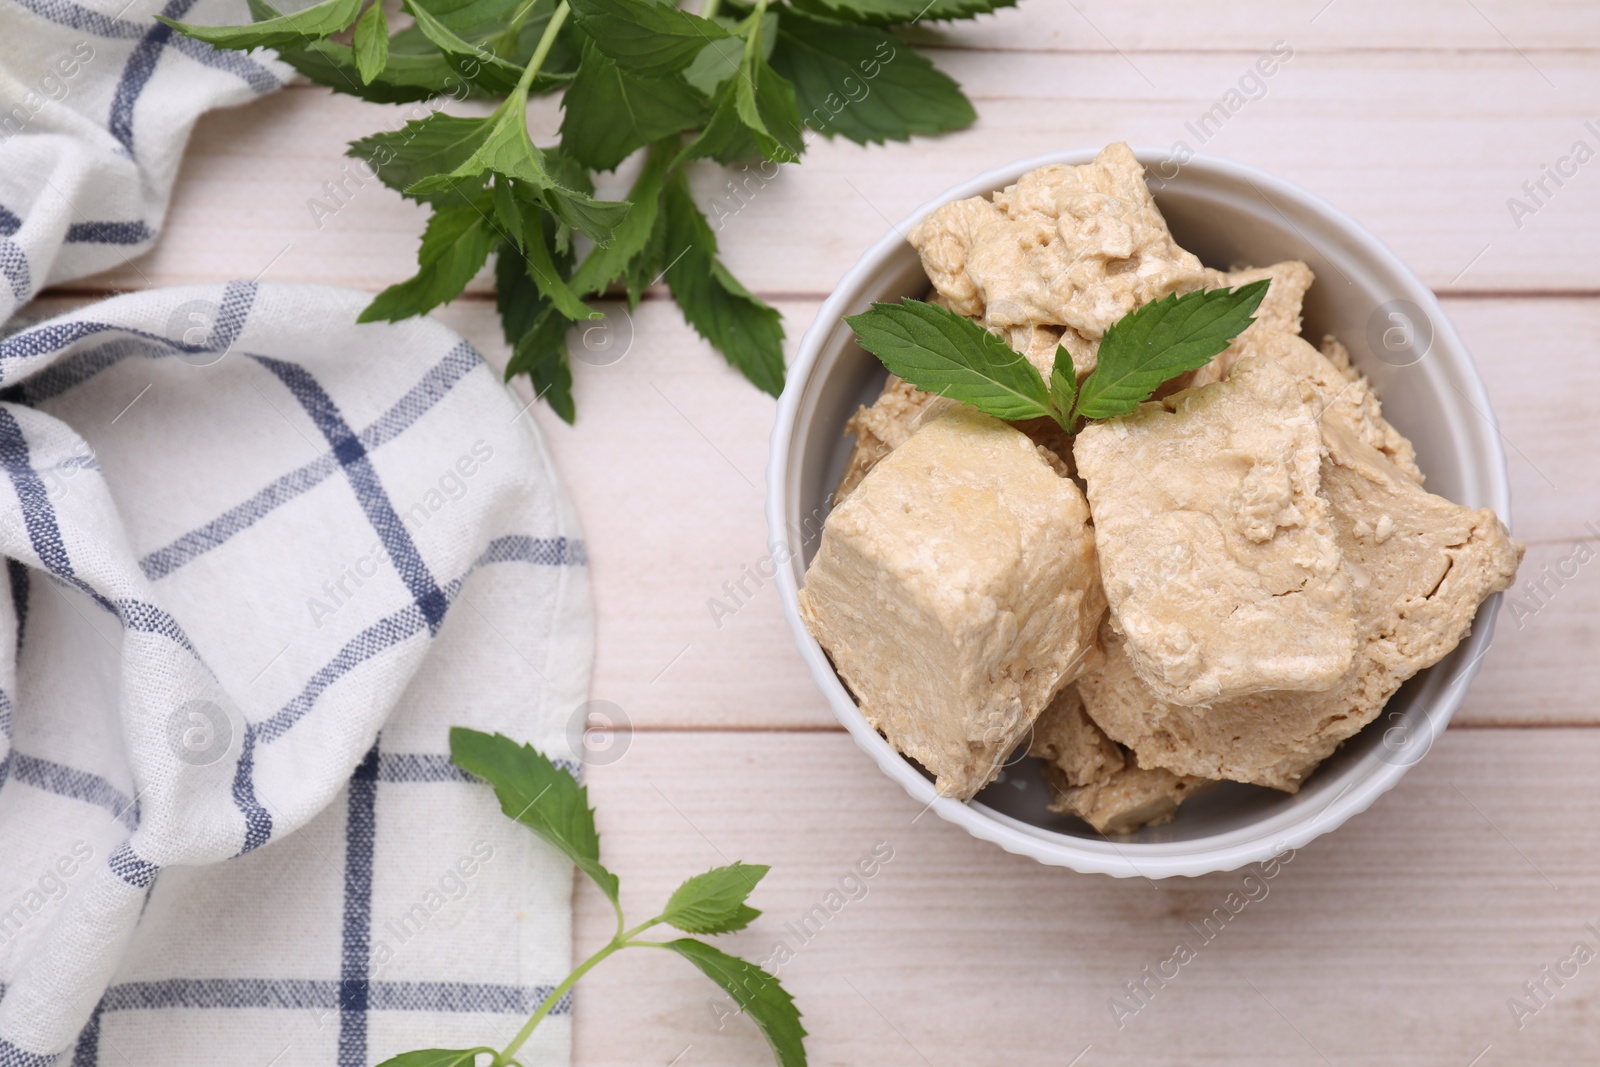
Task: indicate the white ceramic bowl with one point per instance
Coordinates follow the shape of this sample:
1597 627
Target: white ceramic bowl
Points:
1227 214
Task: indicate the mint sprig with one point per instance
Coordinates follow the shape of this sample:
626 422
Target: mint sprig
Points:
549 801
941 352
731 81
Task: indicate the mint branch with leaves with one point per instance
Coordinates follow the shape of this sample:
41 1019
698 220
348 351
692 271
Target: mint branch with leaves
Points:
939 351
549 801
738 80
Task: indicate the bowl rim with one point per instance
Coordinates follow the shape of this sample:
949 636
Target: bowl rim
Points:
1283 831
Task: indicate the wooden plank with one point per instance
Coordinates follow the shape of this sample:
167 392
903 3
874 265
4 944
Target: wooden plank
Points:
1419 918
1107 26
666 465
1460 134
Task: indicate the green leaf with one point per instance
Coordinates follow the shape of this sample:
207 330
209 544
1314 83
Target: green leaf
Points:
717 62
643 36
437 1057
885 12
941 352
606 263
596 219
538 794
318 20
507 210
541 354
714 902
864 84
765 102
501 146
760 995
746 331
464 17
471 61
611 112
649 263
724 138
1161 340
455 246
405 77
421 149
1063 387
371 41
542 269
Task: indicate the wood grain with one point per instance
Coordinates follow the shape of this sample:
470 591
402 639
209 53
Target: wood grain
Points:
666 465
1423 150
1395 940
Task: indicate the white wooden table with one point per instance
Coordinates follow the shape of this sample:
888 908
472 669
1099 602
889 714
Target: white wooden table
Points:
1397 940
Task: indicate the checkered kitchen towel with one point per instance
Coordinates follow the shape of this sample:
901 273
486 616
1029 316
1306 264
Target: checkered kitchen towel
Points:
258 560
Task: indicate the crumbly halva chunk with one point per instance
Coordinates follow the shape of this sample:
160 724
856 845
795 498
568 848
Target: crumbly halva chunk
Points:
1216 551
1345 395
1094 778
1066 737
879 429
1133 797
1342 392
1279 314
956 591
1070 248
1420 566
901 408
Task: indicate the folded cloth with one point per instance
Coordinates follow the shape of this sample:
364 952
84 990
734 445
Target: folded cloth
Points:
255 575
260 559
97 99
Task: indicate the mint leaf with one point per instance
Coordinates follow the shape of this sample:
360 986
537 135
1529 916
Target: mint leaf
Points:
1161 340
606 263
941 352
538 794
724 138
717 62
884 12
421 149
472 62
542 355
644 109
437 1057
477 20
745 330
765 102
863 84
542 269
371 43
318 20
455 246
755 991
500 145
1063 387
643 36
405 77
714 902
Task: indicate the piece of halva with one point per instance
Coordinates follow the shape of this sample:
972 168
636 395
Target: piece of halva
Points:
1420 566
1075 248
881 428
1216 551
1092 776
956 591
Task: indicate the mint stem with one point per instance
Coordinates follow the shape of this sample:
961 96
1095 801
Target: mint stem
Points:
616 944
547 41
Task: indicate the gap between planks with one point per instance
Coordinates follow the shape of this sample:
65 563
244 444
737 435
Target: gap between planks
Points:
835 728
800 296
1336 50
